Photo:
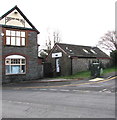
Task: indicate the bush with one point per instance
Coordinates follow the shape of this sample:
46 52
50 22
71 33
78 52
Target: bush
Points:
113 55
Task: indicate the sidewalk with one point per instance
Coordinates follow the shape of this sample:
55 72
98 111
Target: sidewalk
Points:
51 80
105 76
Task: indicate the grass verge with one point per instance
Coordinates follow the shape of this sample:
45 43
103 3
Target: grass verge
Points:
109 70
86 74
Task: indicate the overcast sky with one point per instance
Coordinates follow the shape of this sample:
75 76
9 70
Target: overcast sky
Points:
80 22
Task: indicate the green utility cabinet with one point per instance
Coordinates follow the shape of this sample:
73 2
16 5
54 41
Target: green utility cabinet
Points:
95 69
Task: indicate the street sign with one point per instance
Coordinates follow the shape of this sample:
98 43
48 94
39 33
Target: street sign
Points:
56 55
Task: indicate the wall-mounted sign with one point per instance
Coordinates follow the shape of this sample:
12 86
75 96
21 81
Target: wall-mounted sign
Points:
56 55
7 19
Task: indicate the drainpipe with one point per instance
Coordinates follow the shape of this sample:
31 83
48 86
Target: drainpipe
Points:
71 65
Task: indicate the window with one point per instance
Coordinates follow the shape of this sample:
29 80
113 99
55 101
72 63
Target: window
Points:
57 65
86 51
93 51
15 38
15 64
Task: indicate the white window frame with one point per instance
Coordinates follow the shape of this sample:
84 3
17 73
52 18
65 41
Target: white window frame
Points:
15 38
14 61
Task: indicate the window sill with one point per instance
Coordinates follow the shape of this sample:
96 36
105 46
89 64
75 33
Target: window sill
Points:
13 46
17 74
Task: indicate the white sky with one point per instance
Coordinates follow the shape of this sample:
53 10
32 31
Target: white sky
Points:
80 22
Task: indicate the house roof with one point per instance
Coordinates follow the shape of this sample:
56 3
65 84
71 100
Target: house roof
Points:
16 8
82 51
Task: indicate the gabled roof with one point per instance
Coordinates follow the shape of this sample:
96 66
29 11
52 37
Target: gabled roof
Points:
82 51
16 8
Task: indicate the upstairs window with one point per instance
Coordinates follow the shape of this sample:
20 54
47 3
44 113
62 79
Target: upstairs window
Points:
15 38
15 64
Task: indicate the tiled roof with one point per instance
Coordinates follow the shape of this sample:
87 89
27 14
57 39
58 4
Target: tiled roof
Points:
82 51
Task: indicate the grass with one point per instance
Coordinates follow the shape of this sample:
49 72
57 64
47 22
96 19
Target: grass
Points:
108 70
86 74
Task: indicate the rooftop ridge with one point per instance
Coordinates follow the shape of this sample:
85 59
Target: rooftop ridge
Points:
77 45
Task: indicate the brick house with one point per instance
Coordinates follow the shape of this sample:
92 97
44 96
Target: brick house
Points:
67 59
19 47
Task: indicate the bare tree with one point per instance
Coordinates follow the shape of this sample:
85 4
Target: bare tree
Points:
57 37
108 41
48 44
53 38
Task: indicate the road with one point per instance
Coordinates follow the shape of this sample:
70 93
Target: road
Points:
72 99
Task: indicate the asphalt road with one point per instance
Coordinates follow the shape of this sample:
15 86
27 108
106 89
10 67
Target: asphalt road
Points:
72 99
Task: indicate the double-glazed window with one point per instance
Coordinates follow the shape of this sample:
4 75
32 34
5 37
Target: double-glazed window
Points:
15 38
15 64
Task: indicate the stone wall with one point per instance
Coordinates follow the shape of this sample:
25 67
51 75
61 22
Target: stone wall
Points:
82 64
30 52
79 64
0 55
65 63
72 65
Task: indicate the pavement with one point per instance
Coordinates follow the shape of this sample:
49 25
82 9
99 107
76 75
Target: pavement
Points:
105 76
57 82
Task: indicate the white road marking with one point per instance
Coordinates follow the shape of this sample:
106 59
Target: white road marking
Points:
43 89
18 102
53 89
108 91
100 91
64 90
104 90
76 90
87 91
27 103
80 90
